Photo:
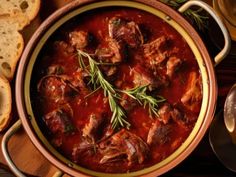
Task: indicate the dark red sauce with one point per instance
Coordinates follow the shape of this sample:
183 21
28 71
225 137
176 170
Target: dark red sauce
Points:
59 52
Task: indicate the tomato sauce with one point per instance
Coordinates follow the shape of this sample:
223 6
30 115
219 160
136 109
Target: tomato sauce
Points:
83 103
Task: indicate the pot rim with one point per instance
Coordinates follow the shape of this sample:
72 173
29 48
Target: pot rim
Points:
206 66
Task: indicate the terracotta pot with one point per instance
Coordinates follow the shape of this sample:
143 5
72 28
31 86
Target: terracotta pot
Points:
157 8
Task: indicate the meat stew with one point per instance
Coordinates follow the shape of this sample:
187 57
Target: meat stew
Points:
117 90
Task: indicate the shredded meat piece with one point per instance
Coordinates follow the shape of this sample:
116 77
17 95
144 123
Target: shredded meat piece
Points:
165 113
79 39
141 77
153 52
78 81
158 51
111 52
91 134
179 118
55 88
124 145
172 65
108 132
91 128
158 134
82 149
127 32
59 87
193 94
58 121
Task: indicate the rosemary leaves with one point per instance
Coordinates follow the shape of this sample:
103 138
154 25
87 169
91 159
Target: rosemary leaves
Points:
98 80
194 15
138 93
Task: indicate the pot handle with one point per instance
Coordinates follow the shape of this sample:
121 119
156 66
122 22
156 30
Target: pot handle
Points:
223 53
12 130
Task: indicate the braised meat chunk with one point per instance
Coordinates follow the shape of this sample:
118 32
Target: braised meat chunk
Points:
179 118
153 51
77 81
158 51
59 120
158 134
79 39
141 77
91 128
128 32
111 52
54 88
164 113
173 65
87 144
168 112
124 145
82 149
193 96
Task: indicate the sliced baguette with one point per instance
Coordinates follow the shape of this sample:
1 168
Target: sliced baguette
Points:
5 103
27 9
11 46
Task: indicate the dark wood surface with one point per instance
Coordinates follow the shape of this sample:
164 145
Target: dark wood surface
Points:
201 163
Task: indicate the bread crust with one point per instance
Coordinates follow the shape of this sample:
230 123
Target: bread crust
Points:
14 16
38 4
5 103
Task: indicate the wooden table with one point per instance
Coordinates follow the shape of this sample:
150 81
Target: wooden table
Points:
202 162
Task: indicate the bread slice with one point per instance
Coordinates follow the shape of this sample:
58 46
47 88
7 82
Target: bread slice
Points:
11 46
26 9
5 103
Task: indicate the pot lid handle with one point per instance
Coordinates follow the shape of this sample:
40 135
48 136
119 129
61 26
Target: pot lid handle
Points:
224 52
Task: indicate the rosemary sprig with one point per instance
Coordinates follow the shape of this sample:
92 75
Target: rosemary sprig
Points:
98 80
118 115
139 93
194 15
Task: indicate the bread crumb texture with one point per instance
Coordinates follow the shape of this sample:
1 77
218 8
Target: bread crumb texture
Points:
11 47
26 8
14 16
